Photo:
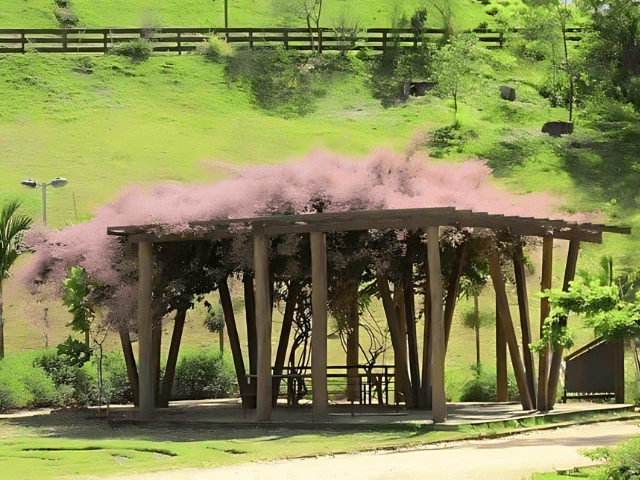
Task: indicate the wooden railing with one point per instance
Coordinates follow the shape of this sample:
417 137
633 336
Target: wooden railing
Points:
179 40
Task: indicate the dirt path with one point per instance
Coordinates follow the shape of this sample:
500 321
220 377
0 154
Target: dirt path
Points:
508 458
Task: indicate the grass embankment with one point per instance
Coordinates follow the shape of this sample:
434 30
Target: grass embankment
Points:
106 123
242 13
62 445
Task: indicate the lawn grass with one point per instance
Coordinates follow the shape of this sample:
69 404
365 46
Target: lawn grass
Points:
180 119
242 13
67 444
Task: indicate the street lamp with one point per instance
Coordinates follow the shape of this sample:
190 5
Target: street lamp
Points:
56 183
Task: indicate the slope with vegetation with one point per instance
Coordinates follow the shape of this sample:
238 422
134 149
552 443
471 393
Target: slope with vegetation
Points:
106 122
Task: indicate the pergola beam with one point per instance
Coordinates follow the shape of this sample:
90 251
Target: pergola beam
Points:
367 220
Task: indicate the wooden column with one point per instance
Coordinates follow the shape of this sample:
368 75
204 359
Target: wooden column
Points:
319 324
425 393
525 323
502 384
618 371
438 397
556 357
507 326
145 330
543 362
263 324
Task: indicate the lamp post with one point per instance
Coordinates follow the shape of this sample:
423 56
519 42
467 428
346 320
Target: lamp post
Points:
56 183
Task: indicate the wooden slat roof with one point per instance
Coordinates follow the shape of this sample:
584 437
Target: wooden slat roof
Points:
369 220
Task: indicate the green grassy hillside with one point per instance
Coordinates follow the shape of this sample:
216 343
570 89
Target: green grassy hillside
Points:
242 13
106 123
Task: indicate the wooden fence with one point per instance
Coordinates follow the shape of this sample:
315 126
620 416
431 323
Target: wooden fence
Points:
179 40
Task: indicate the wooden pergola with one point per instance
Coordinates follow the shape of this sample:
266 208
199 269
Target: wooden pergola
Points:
429 220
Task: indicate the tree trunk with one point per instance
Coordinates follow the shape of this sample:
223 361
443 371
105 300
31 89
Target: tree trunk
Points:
172 360
130 362
234 344
397 339
401 355
556 358
285 334
87 340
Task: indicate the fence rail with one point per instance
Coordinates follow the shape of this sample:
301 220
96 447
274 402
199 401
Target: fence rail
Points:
180 40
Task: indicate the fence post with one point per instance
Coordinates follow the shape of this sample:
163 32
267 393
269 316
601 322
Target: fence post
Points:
320 41
286 39
105 41
179 35
384 41
64 39
23 40
251 38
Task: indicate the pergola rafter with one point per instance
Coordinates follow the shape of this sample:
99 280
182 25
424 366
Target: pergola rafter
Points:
429 220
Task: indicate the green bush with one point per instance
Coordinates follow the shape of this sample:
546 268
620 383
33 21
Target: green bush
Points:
137 50
66 17
214 49
23 384
622 461
204 374
482 388
281 81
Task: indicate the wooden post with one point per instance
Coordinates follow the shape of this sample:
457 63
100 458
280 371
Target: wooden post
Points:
251 38
384 41
426 344
438 396
453 284
105 41
286 39
320 41
556 357
23 40
172 359
263 321
319 324
65 39
179 43
145 329
507 326
618 371
410 318
398 339
545 283
502 384
525 323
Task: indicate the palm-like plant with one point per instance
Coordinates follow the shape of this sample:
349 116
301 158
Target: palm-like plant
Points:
11 225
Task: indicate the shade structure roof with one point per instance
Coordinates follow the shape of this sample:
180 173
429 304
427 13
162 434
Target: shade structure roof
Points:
367 220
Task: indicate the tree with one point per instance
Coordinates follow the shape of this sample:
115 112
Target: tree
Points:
77 289
11 228
308 10
454 68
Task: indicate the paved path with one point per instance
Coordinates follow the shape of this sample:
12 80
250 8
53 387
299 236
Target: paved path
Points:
510 458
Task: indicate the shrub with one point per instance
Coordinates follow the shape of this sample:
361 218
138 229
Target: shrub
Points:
482 388
281 81
66 17
215 49
137 50
24 384
76 352
204 374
